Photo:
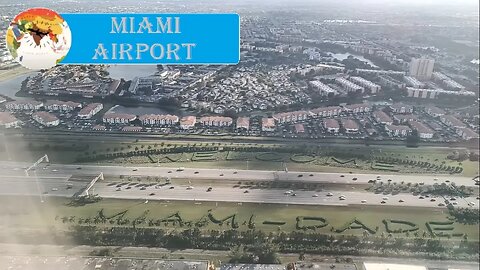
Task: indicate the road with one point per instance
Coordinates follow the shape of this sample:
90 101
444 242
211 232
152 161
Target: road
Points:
53 179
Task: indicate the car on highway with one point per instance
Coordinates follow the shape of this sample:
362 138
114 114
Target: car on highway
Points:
401 200
246 191
235 172
118 189
143 188
329 194
172 187
135 170
209 189
169 171
354 178
421 197
189 187
363 201
196 172
383 202
471 204
315 195
288 192
79 168
129 187
54 189
151 194
385 198
294 194
432 200
181 169
342 197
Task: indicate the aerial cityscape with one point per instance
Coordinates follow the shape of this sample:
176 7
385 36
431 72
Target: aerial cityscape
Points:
347 137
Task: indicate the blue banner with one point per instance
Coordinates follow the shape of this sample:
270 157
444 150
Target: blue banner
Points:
153 38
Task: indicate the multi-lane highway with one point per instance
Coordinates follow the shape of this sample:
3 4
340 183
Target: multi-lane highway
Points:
57 180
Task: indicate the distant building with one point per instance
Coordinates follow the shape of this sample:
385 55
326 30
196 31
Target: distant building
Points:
467 133
62 106
188 122
289 117
216 121
382 118
401 108
358 108
421 68
158 119
326 111
90 110
299 128
434 93
24 105
99 128
434 111
131 129
350 86
331 125
447 82
7 120
413 82
397 131
268 124
118 118
324 89
404 118
373 87
46 119
350 126
423 131
452 121
243 123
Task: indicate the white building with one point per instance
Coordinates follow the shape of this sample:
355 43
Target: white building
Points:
90 110
397 131
413 82
24 105
326 111
331 125
423 131
216 121
118 118
421 68
349 86
373 87
62 106
289 117
46 119
434 93
158 119
324 89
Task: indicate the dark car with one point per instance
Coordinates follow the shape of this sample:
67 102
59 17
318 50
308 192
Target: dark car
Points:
209 189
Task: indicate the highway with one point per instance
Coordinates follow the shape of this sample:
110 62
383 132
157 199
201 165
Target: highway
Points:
53 180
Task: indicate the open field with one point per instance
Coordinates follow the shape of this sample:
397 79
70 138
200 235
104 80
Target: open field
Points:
56 213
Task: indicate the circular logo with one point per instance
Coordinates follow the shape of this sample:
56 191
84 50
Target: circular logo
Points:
38 38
